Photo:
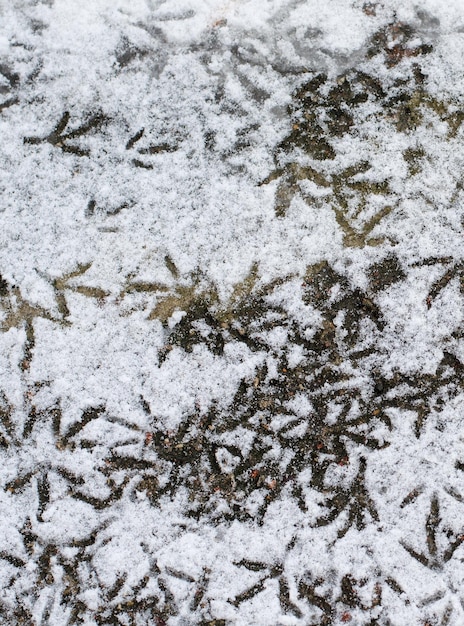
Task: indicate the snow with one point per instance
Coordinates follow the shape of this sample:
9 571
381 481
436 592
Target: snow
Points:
231 348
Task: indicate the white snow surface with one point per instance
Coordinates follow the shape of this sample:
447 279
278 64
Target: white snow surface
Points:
159 464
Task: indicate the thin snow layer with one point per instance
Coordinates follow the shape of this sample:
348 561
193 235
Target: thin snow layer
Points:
231 312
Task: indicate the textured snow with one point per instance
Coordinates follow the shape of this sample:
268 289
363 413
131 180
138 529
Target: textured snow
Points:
184 292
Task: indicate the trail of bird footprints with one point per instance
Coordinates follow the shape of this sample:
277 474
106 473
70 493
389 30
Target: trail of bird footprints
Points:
318 455
303 431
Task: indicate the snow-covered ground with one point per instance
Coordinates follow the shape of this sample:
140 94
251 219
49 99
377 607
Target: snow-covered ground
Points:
231 312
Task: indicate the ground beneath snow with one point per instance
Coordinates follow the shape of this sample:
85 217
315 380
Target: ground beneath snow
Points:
231 312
